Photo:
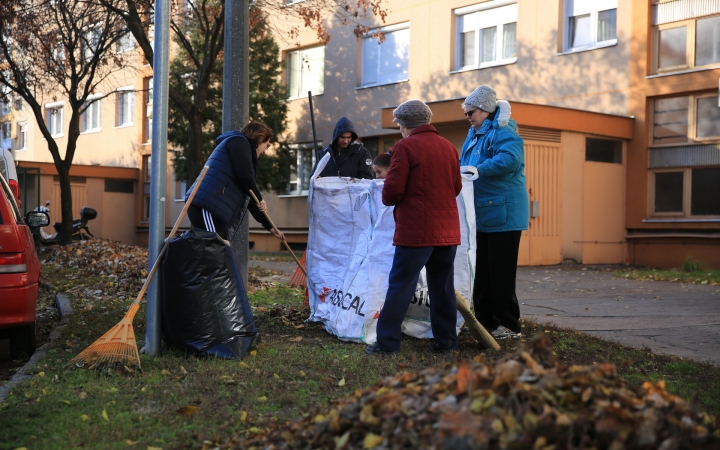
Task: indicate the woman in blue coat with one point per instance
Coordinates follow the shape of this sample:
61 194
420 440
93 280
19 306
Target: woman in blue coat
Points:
501 208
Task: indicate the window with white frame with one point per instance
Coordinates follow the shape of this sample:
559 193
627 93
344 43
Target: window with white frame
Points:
305 161
54 118
91 115
589 24
6 135
486 34
5 98
124 101
125 43
147 109
91 42
685 156
386 62
686 36
306 72
22 136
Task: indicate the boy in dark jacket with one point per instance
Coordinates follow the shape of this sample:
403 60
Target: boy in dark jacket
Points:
347 157
422 183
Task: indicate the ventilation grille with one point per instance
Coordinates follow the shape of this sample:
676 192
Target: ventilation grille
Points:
676 10
539 134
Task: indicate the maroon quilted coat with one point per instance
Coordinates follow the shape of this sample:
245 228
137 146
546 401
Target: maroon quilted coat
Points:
422 183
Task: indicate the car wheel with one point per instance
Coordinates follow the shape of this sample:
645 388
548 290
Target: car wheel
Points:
22 341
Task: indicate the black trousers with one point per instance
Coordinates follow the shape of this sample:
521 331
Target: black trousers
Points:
202 219
494 295
407 263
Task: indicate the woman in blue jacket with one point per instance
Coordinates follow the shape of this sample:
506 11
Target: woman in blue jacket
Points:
501 208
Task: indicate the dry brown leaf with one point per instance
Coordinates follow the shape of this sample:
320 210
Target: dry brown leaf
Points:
189 410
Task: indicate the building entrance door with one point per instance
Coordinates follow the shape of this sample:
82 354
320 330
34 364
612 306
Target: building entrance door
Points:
541 244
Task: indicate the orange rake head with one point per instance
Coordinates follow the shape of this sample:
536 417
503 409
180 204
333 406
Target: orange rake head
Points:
116 349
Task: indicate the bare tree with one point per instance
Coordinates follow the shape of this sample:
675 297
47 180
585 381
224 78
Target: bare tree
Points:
203 52
55 50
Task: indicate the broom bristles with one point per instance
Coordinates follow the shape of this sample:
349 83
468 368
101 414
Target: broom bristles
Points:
478 331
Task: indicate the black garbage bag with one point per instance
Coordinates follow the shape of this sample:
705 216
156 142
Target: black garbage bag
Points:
204 306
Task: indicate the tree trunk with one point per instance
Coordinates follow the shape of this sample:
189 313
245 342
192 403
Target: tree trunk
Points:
65 205
195 146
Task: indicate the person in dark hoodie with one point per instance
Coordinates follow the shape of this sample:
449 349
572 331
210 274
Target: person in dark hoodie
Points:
224 195
347 157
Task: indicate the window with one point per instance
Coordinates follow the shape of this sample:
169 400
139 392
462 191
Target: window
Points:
306 72
685 156
91 115
686 36
146 188
5 134
305 161
124 111
689 192
119 185
147 109
387 62
91 43
486 35
603 150
22 135
589 24
125 43
180 189
54 118
5 98
686 119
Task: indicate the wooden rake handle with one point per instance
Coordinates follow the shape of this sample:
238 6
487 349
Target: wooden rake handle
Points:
252 194
172 234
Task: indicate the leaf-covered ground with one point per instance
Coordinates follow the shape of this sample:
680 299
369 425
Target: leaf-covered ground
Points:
181 401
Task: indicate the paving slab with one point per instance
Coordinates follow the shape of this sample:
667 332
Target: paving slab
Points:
674 318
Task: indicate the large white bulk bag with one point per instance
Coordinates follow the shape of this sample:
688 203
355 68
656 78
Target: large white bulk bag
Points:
350 253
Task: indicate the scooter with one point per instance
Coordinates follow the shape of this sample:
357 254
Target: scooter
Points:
80 229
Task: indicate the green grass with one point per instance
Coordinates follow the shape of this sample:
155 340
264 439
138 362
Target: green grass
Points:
296 367
273 256
673 275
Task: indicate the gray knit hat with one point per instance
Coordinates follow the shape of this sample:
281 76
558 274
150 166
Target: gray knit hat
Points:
412 114
483 97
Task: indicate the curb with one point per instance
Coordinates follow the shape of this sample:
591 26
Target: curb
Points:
63 305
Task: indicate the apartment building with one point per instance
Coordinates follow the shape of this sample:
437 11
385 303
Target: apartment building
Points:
598 88
673 179
111 166
564 66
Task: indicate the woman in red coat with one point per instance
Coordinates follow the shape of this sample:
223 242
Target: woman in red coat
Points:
422 183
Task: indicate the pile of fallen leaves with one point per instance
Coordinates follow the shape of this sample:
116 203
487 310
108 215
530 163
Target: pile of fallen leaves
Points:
525 401
99 258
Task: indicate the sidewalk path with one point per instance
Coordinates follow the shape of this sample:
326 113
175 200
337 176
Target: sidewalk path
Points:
674 318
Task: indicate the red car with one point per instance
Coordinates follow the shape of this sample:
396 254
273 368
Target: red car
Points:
19 273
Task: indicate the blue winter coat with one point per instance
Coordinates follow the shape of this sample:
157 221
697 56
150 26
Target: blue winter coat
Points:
501 197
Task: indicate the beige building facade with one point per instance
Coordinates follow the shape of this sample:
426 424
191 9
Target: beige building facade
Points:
569 90
617 101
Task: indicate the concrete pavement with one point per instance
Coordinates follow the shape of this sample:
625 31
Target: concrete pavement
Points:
674 318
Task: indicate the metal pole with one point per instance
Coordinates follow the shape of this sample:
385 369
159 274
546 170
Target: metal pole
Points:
158 189
236 100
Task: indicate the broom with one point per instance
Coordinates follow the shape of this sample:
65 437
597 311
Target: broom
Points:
252 194
476 329
118 348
